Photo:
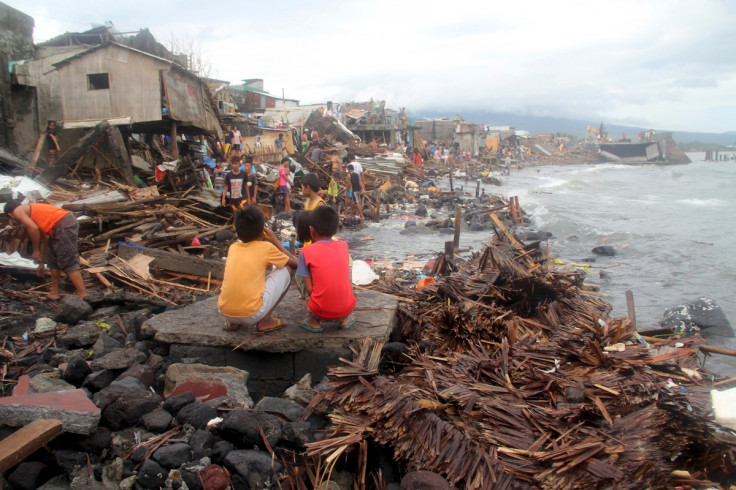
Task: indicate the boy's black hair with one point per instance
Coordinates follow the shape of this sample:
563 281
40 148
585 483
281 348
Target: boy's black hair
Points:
285 159
351 156
11 206
312 181
345 160
336 174
249 223
302 221
248 159
325 220
350 167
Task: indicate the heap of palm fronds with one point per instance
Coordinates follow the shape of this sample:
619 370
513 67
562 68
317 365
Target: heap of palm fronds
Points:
517 378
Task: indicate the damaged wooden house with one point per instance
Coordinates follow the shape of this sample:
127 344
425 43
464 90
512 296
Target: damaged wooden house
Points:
147 100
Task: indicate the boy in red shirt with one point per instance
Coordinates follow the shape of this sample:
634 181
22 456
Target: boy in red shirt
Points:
324 266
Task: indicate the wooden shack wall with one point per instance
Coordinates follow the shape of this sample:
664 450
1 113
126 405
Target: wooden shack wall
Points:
188 101
134 86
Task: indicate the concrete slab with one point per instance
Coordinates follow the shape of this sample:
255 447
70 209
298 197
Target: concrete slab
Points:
75 410
201 324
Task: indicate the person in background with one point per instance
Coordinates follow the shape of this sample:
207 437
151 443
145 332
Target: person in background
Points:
251 182
417 157
285 182
324 269
310 189
359 171
249 294
280 142
318 155
305 140
52 141
218 176
228 139
333 191
355 191
53 232
258 143
235 186
237 143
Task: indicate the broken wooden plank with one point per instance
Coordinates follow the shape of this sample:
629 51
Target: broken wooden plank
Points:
27 440
176 262
70 156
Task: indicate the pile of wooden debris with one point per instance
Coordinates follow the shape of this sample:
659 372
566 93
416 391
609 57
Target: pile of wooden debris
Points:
515 377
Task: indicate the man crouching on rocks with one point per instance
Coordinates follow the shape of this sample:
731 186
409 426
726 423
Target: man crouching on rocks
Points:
53 232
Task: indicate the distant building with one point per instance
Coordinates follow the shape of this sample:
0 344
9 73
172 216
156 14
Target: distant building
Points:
250 97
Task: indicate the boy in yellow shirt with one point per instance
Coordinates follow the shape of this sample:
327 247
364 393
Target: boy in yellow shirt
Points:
249 294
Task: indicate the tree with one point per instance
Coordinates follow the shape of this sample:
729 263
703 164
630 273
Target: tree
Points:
193 55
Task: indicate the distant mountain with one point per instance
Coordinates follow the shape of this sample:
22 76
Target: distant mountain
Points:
574 127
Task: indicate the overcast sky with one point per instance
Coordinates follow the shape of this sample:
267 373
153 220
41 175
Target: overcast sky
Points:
667 64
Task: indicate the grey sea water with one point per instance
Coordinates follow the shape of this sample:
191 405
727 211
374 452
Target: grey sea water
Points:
672 228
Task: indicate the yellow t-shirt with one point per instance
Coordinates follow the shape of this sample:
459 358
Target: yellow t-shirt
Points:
245 277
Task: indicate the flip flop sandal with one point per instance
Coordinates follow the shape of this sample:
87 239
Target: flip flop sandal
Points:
307 326
279 324
347 325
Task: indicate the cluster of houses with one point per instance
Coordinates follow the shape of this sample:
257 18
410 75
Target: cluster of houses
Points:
78 80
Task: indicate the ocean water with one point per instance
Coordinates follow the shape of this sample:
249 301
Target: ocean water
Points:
670 225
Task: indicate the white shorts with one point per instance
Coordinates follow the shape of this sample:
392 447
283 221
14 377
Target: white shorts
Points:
277 282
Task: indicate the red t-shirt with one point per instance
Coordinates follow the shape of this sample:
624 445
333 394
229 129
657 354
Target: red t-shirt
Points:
332 292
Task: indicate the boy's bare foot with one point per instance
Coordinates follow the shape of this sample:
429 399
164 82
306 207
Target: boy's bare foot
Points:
267 325
54 298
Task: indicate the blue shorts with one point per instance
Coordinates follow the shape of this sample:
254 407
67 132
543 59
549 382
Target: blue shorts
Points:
284 189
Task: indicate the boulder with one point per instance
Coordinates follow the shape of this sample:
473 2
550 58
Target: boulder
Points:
298 433
123 406
28 475
241 427
197 415
105 344
43 325
152 475
81 335
98 380
606 250
76 371
173 455
141 372
48 383
701 315
72 309
208 382
201 442
253 466
301 392
98 441
289 409
119 359
220 450
175 403
157 421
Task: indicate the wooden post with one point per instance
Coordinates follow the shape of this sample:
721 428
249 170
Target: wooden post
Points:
451 179
458 222
449 249
26 441
378 208
630 307
477 189
174 142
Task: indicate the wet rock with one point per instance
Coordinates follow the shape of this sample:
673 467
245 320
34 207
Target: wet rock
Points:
98 380
298 433
604 276
67 459
421 211
191 479
530 236
419 229
220 450
123 406
98 441
43 325
177 402
201 442
702 315
49 382
157 421
28 475
197 415
82 335
139 454
72 309
606 250
141 372
446 231
410 223
289 409
104 345
424 480
173 455
302 391
119 359
241 427
76 370
152 475
253 466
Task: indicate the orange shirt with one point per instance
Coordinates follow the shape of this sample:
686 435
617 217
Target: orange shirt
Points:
46 216
245 277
